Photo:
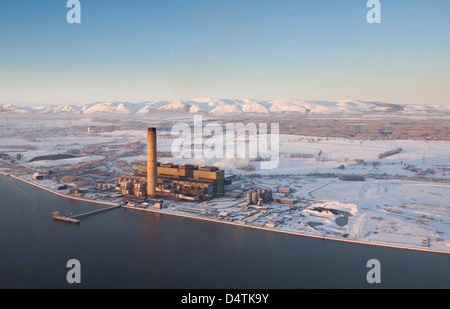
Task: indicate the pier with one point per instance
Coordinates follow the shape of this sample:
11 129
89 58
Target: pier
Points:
76 218
90 213
56 216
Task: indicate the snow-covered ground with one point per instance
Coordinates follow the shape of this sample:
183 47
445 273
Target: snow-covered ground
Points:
403 199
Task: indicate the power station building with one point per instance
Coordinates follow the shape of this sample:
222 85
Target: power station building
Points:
187 182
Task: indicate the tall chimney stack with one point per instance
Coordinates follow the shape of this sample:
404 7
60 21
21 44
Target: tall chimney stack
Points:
151 162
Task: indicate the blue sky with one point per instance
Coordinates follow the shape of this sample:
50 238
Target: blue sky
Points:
138 50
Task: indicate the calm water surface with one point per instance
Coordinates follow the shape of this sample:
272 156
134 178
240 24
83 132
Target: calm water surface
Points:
126 248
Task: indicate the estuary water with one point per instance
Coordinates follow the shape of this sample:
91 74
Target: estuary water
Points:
131 249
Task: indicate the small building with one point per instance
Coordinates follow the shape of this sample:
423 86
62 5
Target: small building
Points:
223 214
352 177
143 205
37 176
59 187
232 186
285 190
285 201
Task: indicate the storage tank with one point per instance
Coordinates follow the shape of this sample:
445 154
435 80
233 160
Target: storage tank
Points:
249 197
254 198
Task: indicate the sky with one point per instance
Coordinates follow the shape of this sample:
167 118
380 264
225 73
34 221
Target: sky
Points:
155 50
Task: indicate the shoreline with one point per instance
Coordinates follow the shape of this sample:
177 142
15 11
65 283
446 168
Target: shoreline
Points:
276 230
78 198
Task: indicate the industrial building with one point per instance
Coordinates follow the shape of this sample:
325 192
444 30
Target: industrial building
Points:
191 173
187 182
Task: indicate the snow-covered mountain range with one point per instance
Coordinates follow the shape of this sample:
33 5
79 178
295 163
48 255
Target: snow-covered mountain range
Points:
215 106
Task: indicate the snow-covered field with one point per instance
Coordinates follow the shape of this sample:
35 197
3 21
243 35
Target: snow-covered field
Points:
403 199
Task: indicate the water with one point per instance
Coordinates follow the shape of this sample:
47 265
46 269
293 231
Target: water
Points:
126 248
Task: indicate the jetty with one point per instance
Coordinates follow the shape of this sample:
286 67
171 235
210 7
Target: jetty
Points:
76 218
56 216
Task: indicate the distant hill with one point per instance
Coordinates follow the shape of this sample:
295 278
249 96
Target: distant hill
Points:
214 106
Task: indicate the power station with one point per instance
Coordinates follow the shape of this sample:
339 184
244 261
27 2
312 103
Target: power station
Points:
154 180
